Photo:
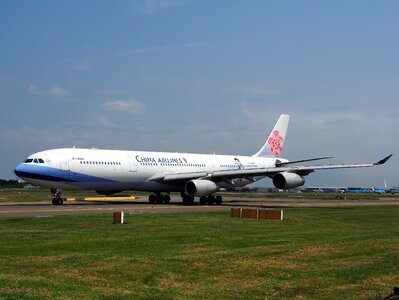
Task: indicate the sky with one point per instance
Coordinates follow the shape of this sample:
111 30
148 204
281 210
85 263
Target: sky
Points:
204 77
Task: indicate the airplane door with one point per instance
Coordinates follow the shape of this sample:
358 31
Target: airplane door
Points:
132 165
64 165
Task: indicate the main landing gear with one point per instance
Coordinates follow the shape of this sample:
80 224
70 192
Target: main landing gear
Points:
211 200
204 200
158 198
187 199
57 200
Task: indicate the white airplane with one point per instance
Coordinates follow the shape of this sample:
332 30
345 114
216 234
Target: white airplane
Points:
111 171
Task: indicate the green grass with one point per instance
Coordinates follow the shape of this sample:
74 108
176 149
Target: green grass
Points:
341 253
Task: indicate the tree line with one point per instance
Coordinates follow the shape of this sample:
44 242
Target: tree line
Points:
10 183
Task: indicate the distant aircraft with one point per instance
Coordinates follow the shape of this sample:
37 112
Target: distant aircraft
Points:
392 189
112 171
355 190
378 191
340 190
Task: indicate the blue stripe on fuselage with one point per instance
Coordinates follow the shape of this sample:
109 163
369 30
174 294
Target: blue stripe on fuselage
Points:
53 174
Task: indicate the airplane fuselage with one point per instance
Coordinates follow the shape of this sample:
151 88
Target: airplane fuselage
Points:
110 171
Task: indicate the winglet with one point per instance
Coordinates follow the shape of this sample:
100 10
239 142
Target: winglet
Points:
384 160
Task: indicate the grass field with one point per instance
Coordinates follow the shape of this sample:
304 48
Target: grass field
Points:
342 253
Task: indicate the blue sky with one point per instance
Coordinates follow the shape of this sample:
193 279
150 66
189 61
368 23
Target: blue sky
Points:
203 76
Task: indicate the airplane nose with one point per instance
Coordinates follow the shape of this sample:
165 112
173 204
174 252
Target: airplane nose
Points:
19 170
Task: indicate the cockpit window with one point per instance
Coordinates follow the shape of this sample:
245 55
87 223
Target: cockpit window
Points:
35 161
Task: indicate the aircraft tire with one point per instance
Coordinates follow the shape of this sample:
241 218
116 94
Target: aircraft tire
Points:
211 200
151 199
203 200
218 200
57 201
166 199
188 200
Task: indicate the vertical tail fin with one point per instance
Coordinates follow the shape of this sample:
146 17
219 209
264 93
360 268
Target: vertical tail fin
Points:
275 142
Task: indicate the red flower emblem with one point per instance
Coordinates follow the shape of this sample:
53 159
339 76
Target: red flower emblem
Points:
275 141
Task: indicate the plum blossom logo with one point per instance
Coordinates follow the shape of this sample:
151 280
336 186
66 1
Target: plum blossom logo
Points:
275 141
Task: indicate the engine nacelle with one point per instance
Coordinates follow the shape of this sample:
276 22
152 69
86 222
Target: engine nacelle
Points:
201 187
285 180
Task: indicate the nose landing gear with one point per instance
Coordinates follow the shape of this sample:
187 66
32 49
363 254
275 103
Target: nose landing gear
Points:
57 200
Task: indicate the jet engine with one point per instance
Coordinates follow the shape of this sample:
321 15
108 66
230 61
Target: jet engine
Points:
201 187
285 180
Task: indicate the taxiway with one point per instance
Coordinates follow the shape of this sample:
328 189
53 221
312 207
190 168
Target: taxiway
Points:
45 209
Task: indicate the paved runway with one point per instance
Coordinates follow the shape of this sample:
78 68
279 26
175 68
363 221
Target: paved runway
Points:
45 209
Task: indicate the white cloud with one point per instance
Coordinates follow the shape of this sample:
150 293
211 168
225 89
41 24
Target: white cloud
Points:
29 134
131 106
55 91
259 116
151 7
105 122
323 119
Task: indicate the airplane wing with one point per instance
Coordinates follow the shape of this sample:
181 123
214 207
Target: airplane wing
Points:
249 173
300 170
